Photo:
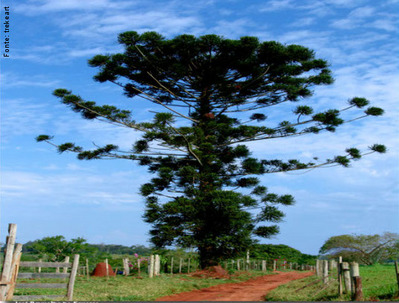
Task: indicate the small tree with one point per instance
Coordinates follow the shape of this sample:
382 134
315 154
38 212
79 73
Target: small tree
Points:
365 249
215 94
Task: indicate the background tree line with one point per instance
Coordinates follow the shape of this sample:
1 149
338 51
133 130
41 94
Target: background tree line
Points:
365 249
56 248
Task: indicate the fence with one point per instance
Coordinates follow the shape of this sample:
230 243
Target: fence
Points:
154 266
10 272
12 256
346 274
54 285
186 265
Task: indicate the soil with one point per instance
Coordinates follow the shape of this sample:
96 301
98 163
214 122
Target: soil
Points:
251 290
215 272
100 270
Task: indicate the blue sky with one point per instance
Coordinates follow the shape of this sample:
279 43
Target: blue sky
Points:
48 194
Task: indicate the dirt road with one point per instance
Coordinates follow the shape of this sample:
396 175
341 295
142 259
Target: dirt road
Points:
251 290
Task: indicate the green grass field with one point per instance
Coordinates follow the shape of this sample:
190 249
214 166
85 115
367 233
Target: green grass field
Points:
379 283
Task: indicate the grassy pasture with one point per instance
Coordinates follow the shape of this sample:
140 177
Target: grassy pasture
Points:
379 283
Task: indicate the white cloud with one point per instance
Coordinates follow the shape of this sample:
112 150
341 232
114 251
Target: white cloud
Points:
344 3
36 7
275 5
32 118
86 52
112 197
22 117
367 17
51 167
10 79
232 29
167 23
61 187
386 24
362 12
309 7
99 23
303 22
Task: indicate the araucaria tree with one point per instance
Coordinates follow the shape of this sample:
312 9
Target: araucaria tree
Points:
213 94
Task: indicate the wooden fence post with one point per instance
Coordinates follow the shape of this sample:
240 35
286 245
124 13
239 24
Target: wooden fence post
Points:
7 265
358 293
238 264
171 266
263 265
138 266
87 268
124 266
127 267
14 271
347 277
180 265
354 270
319 268
157 266
65 269
151 267
274 265
156 257
330 265
73 277
39 270
325 271
106 269
247 265
356 282
188 265
339 276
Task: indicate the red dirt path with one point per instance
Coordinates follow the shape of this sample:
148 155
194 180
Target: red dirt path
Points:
251 290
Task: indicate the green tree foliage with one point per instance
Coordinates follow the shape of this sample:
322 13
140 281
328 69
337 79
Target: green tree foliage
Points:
122 250
57 248
213 95
365 249
281 252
